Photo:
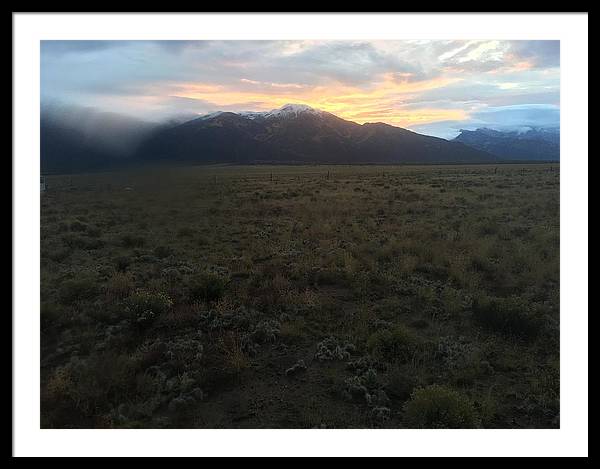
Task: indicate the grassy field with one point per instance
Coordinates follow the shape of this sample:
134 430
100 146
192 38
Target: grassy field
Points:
301 297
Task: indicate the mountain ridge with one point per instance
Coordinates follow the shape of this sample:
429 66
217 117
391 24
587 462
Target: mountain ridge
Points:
530 144
292 134
299 134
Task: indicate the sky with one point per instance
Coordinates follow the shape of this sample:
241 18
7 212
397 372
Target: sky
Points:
431 87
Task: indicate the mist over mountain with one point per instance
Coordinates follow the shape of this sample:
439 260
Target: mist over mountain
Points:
533 144
74 138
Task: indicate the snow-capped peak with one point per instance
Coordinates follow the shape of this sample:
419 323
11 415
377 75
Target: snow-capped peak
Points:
287 110
292 110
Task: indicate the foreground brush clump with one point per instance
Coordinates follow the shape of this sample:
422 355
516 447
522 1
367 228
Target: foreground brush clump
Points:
301 297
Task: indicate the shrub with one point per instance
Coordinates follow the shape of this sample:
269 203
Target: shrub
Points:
93 231
78 226
488 228
381 414
50 314
181 316
361 384
395 344
146 306
163 251
78 289
207 287
181 405
59 384
509 316
94 384
122 262
186 231
266 331
332 349
233 349
119 286
420 324
58 254
202 240
132 241
452 301
324 277
82 242
296 368
483 265
400 385
430 270
437 406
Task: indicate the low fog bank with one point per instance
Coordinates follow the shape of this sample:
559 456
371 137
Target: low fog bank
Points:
76 138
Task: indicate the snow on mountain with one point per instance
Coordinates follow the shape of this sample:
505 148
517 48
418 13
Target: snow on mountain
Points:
251 114
292 110
288 110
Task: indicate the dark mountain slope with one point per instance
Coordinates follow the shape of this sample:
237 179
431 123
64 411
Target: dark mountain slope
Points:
534 144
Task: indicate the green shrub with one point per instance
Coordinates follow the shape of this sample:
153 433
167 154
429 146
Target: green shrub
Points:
509 316
146 306
78 289
392 345
437 406
207 287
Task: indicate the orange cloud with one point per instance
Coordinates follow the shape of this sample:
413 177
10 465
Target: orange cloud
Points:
380 102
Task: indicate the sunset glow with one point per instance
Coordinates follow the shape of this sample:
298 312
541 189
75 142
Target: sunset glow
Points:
434 87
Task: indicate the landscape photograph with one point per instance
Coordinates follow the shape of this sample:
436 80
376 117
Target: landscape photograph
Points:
300 234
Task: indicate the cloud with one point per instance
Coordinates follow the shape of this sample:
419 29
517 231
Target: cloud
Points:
540 53
498 118
524 115
58 47
403 83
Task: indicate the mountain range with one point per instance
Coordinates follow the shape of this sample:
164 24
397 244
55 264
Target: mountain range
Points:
533 144
298 134
292 134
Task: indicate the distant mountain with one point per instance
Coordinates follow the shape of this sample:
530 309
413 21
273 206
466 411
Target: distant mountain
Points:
83 139
298 134
532 144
